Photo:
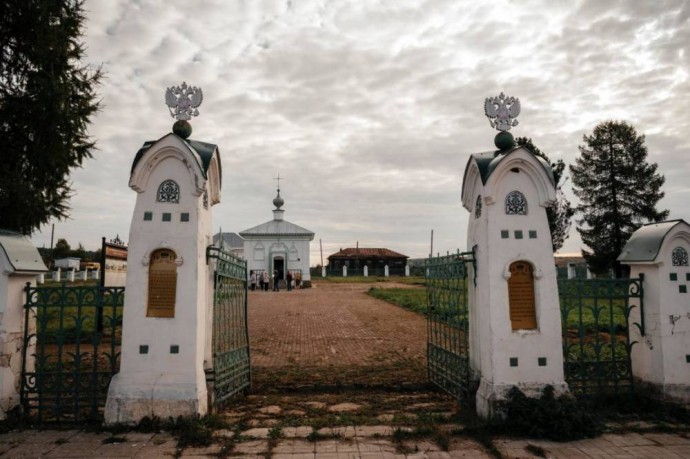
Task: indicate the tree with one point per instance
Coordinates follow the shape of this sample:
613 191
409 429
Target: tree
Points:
618 191
47 98
561 212
62 249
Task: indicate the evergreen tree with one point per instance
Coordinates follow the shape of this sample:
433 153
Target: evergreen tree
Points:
561 212
47 98
618 191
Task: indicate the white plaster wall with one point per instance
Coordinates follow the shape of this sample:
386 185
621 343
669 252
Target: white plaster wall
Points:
493 342
12 298
301 244
176 380
644 355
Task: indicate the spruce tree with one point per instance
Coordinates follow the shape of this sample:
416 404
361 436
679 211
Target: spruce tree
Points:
47 99
561 212
618 191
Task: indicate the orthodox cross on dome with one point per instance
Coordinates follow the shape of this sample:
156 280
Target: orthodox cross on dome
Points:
278 201
183 102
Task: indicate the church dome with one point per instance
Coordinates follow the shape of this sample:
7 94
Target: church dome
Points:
278 201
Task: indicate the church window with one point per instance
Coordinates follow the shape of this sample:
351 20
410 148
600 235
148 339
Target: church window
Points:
516 204
162 284
478 207
679 257
169 191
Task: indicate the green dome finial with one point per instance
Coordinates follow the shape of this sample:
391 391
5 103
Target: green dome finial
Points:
182 128
504 141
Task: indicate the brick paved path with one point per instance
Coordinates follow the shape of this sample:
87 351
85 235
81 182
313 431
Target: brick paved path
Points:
334 334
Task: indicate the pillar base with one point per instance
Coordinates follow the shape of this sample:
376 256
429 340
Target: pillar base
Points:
130 400
490 395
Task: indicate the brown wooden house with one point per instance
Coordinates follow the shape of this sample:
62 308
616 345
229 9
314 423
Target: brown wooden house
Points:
355 258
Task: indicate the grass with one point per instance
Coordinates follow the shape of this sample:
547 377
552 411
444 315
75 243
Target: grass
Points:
411 299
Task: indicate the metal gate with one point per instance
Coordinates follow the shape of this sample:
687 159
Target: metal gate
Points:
595 317
231 372
447 323
71 351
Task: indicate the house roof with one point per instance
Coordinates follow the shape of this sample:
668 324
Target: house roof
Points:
351 252
21 253
232 240
277 228
645 243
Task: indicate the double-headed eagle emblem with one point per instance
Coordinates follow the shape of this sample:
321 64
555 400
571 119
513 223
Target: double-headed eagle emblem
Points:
182 101
502 111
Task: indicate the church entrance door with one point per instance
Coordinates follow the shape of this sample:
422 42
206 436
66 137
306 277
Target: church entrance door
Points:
279 265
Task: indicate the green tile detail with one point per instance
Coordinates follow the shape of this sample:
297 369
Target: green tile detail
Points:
143 349
687 276
673 276
148 216
532 234
184 217
505 234
174 349
541 361
513 361
683 288
167 216
518 234
687 358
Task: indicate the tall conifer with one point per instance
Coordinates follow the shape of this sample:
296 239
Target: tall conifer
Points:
618 191
47 99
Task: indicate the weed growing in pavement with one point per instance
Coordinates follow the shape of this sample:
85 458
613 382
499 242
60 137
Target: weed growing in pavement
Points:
113 439
536 450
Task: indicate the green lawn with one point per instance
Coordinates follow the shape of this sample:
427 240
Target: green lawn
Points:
368 280
408 298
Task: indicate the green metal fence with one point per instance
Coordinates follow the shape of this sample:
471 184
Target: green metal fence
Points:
447 323
231 371
68 359
596 344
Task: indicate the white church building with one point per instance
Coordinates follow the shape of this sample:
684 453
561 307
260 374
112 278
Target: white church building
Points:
278 245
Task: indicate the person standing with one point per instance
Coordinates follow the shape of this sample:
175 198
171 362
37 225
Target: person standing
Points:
264 278
298 279
289 281
252 281
276 285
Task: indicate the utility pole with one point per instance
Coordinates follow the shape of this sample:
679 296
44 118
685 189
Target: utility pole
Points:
321 248
431 254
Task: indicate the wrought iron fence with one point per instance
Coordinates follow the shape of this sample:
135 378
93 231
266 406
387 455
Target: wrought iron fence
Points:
72 337
595 317
447 323
231 371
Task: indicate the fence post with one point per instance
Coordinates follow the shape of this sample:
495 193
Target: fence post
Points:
85 274
70 276
571 271
56 275
323 271
407 270
366 271
344 271
386 271
20 264
41 279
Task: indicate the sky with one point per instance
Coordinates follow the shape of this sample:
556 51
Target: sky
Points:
369 110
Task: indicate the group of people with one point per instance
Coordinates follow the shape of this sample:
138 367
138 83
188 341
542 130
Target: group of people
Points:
264 280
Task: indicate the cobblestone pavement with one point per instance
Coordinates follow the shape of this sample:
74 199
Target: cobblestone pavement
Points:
351 443
334 334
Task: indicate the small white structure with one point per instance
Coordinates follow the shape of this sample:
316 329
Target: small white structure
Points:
515 321
661 357
231 242
20 263
166 332
278 245
67 263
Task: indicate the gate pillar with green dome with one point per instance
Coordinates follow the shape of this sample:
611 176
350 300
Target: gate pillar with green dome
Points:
165 333
661 354
514 316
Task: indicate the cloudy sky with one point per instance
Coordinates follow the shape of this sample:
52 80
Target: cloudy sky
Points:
369 109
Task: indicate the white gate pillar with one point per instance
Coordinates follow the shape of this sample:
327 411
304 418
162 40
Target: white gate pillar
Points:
323 271
164 327
386 271
661 357
366 271
344 271
56 275
407 270
515 321
571 271
20 263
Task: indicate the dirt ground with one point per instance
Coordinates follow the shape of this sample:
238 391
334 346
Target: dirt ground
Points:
334 335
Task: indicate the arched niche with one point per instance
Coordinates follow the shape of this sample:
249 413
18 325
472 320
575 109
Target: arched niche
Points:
521 298
162 284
